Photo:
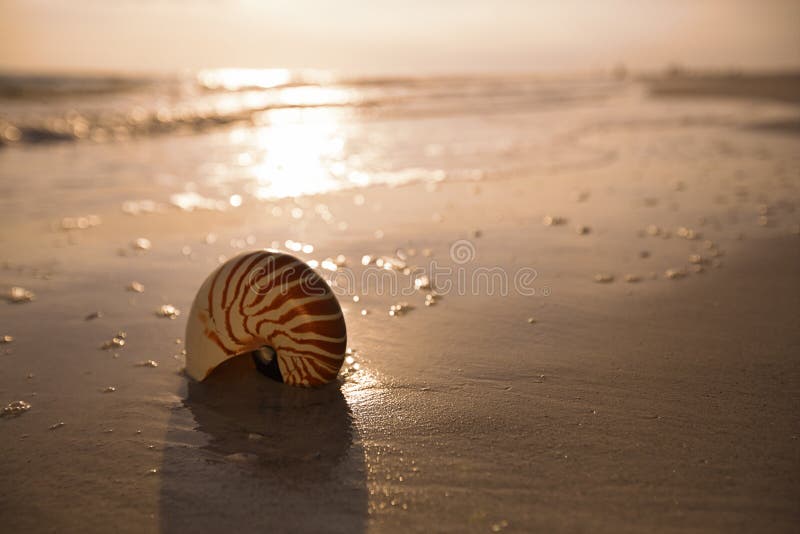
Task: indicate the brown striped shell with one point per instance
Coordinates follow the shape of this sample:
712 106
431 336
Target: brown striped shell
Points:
269 299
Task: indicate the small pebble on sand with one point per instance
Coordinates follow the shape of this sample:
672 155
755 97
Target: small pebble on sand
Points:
16 408
116 342
674 274
57 425
169 311
687 233
6 339
149 363
136 287
551 220
431 299
141 243
497 527
19 295
531 320
109 389
603 278
401 308
653 230
582 230
632 278
644 254
94 315
79 223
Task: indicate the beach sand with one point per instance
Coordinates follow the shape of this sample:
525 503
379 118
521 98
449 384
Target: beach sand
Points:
668 403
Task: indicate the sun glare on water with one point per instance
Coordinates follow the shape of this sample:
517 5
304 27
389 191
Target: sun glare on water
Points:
298 155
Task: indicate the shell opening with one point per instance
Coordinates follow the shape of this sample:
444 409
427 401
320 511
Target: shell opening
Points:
266 360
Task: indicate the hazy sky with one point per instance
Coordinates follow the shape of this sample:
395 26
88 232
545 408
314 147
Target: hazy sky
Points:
380 36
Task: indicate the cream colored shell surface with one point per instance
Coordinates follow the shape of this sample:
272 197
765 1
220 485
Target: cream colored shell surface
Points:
267 298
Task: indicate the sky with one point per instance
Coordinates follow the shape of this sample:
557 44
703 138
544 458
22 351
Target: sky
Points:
384 37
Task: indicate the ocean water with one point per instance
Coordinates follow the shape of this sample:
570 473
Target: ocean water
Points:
217 138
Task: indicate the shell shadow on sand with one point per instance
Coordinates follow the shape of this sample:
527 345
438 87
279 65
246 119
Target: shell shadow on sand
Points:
276 458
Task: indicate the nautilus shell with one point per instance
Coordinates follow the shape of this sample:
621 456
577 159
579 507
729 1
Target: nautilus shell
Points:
273 306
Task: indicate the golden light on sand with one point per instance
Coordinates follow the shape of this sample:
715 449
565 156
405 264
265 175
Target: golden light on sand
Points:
361 386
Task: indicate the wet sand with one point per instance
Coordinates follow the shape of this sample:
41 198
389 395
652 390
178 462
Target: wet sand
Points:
667 404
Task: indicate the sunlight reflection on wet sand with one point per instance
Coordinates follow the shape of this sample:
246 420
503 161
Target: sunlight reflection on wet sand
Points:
291 146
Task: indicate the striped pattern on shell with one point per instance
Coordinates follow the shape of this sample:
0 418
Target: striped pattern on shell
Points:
267 298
